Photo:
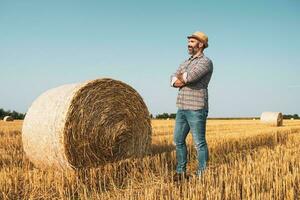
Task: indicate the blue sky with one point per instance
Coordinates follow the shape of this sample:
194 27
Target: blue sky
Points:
254 46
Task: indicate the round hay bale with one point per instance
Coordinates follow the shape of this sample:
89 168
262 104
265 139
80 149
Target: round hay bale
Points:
272 118
86 125
8 119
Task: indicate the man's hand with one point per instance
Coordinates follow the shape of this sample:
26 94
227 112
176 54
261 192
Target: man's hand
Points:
180 77
178 83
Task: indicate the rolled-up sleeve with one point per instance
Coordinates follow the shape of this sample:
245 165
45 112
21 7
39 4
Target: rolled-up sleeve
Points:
198 71
173 80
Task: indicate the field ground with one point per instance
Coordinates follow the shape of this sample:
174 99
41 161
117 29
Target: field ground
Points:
248 160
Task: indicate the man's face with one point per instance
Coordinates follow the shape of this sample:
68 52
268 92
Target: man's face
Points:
194 46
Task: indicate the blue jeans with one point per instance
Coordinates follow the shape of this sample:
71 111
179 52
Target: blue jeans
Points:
194 120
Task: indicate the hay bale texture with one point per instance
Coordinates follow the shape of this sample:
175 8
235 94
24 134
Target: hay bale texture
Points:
272 118
8 119
86 125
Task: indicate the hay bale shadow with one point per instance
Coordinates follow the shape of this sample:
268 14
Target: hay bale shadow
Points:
161 148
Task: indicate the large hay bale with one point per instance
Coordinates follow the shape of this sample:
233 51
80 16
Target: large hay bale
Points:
272 118
8 119
86 125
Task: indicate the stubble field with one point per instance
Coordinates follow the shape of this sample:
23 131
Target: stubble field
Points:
248 160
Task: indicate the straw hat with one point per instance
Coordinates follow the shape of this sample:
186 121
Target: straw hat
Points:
202 37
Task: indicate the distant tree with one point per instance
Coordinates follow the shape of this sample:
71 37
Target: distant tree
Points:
2 113
14 114
166 116
295 116
162 116
173 115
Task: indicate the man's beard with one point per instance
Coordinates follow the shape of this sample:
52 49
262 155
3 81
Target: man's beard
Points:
191 50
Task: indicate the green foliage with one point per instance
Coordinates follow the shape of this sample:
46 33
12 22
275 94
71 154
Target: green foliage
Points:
13 114
295 116
173 116
166 116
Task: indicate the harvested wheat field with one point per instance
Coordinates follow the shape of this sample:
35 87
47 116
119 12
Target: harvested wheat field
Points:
248 160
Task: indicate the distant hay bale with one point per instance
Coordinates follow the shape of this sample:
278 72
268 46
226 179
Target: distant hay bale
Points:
272 118
86 125
8 119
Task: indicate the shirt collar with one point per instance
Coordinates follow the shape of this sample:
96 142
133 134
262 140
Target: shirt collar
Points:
198 56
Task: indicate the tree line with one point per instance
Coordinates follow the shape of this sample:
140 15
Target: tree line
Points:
173 116
14 114
294 116
17 115
164 116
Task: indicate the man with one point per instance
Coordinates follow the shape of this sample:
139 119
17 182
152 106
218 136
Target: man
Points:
192 78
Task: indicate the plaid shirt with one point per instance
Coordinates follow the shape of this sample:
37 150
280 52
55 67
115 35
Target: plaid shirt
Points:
194 95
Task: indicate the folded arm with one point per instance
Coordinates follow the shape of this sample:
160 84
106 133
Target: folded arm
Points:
178 79
198 71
